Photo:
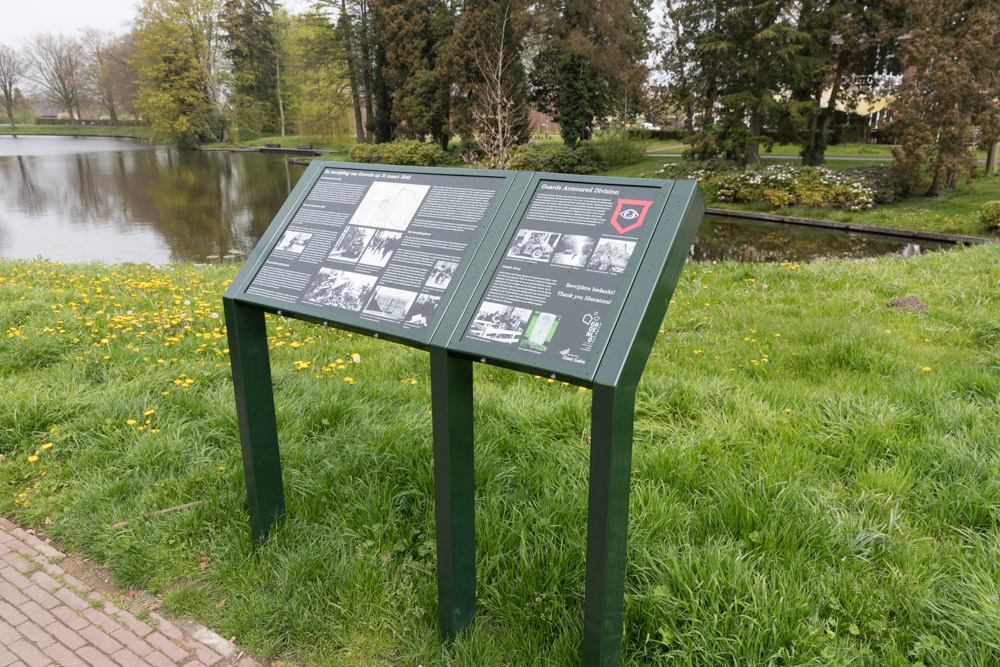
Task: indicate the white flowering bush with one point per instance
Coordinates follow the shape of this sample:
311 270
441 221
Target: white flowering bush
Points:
780 186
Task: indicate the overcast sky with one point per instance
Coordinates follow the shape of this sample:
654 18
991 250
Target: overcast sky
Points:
21 19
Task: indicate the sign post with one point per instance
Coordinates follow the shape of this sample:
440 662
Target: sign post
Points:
566 276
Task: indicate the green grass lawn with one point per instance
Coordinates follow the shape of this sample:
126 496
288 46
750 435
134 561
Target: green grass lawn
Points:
815 476
137 131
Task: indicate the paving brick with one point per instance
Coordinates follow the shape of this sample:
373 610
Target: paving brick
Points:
16 561
95 658
22 548
71 599
4 549
13 576
100 619
157 659
43 598
45 581
36 634
126 658
65 635
11 595
10 614
131 622
100 639
69 617
62 655
52 568
166 627
31 656
74 583
33 611
6 657
8 635
133 643
170 649
207 655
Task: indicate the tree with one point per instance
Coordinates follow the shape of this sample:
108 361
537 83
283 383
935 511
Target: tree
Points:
734 57
177 65
58 68
106 70
843 57
250 33
949 52
411 83
490 100
13 68
591 61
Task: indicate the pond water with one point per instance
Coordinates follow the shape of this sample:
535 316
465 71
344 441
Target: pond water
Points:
80 199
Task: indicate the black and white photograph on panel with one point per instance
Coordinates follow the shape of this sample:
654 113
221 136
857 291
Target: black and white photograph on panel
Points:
380 248
497 322
441 274
293 242
423 310
534 245
611 256
573 250
340 289
351 244
390 303
389 205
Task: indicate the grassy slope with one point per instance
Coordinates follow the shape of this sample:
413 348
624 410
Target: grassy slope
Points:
815 477
137 131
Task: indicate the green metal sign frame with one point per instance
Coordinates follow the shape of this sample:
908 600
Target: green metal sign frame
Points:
617 364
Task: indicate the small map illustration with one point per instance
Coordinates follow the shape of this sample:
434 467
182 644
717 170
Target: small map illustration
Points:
389 205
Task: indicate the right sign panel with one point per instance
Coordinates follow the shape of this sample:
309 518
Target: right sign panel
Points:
563 275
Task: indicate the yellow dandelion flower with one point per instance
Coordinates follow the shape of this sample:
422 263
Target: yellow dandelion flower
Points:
32 458
130 422
927 369
148 412
47 445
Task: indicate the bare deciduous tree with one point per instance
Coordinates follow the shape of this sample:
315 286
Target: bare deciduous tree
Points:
13 68
58 68
495 112
107 77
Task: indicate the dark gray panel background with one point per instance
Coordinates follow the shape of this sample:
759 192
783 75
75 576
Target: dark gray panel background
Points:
553 290
377 246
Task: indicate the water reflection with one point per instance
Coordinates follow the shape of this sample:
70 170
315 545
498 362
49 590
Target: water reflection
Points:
77 199
132 203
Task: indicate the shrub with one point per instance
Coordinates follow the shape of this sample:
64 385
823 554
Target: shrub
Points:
412 153
777 185
989 215
584 159
658 135
619 150
878 178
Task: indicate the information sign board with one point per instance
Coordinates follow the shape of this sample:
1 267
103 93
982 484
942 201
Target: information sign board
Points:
558 282
374 249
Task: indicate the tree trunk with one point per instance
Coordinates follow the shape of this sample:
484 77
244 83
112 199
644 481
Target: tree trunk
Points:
991 159
352 74
113 114
10 116
277 83
366 74
936 184
753 148
952 181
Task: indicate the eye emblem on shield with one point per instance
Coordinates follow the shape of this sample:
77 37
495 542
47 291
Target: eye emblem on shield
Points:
629 214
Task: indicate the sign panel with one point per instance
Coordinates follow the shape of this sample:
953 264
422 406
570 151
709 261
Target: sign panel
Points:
378 248
557 287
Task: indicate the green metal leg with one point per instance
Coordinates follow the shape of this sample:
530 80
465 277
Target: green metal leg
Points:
454 491
607 524
255 411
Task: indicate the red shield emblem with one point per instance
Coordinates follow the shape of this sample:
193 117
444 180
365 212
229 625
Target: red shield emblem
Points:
629 214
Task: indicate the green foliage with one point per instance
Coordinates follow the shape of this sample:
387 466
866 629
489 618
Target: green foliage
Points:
989 217
619 148
251 37
586 158
657 135
725 139
407 152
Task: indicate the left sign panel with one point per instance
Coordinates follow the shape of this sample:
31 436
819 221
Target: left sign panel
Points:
377 249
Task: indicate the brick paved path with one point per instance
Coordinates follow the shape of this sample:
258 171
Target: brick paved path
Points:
50 617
